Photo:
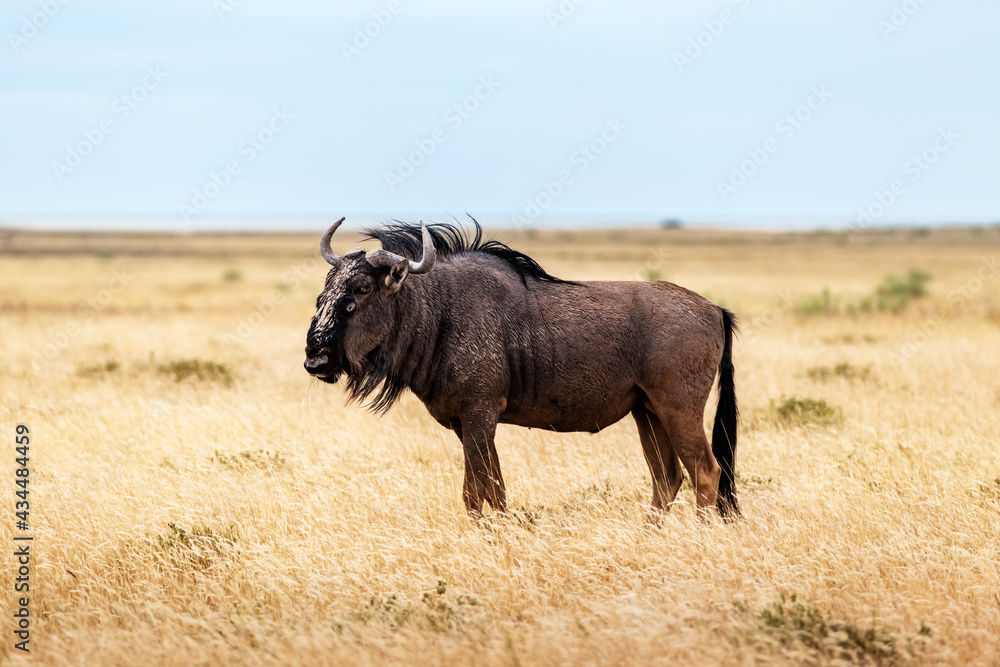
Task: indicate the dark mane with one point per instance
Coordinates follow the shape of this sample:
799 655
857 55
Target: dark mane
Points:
403 238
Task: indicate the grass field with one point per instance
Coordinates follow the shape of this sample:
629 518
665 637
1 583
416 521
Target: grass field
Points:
196 499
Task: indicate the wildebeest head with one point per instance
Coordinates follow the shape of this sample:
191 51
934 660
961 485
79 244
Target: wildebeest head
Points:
355 310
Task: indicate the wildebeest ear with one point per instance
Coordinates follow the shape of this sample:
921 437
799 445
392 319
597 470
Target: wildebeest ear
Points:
395 275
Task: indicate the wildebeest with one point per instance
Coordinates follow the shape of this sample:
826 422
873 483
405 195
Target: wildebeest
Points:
483 335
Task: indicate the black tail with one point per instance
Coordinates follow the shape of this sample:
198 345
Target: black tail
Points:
727 416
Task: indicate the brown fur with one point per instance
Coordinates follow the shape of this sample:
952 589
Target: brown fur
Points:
482 340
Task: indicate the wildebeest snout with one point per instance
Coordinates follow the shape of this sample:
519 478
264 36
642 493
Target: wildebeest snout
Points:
318 360
316 364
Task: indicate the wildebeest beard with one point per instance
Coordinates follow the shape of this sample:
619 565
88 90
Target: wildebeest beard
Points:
376 375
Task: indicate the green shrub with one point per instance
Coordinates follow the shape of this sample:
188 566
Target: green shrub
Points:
895 292
892 295
823 303
795 622
806 411
651 274
232 275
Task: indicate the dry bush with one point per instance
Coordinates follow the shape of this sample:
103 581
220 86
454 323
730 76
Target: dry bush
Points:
197 369
803 411
844 370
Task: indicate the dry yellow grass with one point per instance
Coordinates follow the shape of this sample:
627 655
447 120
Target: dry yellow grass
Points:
196 499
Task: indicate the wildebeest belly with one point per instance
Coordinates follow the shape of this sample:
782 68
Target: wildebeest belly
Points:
590 409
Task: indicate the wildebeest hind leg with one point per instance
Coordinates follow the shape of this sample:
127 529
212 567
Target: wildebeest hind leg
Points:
664 467
687 434
483 479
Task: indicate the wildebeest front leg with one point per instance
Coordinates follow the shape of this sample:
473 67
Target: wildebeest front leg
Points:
483 480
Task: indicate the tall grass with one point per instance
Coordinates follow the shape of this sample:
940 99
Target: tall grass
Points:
193 515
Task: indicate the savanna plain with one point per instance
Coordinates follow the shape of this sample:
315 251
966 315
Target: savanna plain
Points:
197 499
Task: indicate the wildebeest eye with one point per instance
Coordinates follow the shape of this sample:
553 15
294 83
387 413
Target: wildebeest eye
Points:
350 306
364 289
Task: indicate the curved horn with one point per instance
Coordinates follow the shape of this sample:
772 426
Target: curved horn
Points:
381 259
324 244
426 262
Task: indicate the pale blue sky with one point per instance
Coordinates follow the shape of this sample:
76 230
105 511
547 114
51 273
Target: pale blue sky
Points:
673 130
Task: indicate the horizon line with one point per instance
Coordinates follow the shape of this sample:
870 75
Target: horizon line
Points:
280 223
